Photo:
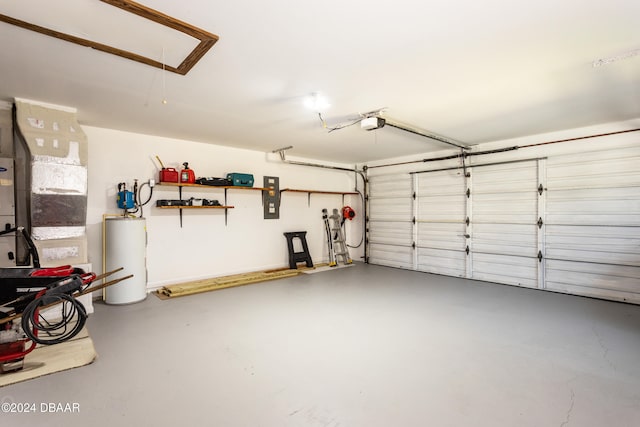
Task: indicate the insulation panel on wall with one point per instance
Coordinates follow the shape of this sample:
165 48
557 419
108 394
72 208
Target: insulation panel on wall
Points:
54 158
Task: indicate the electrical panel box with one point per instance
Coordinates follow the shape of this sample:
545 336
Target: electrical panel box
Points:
271 197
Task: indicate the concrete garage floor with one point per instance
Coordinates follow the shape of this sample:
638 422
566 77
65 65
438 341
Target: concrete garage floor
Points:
365 346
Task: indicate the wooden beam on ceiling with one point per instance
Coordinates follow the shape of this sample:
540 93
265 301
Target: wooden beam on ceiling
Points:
207 40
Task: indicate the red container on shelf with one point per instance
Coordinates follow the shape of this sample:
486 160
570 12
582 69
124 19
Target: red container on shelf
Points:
168 175
187 175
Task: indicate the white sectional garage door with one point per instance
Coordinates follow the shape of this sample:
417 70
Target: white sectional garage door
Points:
578 234
593 224
441 205
390 220
503 229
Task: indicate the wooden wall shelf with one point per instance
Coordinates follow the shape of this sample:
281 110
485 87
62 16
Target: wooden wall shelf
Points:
225 187
296 190
310 192
195 207
180 185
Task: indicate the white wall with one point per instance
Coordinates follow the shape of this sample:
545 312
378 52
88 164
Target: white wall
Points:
205 247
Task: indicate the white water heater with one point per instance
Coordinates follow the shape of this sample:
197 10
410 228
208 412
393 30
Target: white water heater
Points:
126 246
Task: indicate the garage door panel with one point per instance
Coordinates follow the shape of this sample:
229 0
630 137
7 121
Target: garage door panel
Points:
513 232
441 236
440 183
504 211
514 208
622 173
621 218
630 297
615 239
391 233
512 270
592 231
512 239
442 208
600 244
600 169
599 280
390 209
620 180
451 263
591 275
392 256
441 197
390 214
507 178
592 256
606 206
591 170
391 186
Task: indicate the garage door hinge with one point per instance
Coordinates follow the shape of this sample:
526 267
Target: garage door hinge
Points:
468 192
540 222
467 221
540 189
414 195
539 256
467 250
413 245
413 220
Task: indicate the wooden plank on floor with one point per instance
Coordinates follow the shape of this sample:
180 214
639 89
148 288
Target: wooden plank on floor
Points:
216 283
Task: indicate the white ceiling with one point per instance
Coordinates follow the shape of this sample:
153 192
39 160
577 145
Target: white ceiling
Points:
471 71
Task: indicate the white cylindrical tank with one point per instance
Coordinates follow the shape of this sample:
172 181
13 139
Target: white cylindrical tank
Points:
126 246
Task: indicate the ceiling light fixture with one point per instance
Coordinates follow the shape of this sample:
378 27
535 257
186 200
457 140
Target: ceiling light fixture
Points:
609 60
316 102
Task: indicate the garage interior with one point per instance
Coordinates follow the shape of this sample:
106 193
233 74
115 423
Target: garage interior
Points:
488 157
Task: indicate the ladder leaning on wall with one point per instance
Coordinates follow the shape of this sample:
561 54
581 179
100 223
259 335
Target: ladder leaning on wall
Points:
338 250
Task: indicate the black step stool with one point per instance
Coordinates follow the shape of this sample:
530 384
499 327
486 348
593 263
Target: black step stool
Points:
296 257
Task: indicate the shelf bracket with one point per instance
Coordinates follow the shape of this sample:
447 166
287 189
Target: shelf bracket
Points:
226 211
180 197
